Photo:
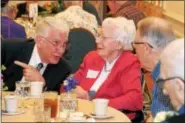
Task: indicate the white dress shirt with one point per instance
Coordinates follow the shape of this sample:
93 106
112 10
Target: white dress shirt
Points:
103 75
35 60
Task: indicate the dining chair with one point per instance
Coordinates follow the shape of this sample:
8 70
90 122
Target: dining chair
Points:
81 42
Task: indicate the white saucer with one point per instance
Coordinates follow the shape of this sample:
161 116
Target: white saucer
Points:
12 113
100 117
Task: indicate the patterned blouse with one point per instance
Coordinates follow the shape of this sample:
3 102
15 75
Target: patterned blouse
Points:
76 17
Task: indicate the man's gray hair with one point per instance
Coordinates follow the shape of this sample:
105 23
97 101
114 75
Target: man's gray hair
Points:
9 9
45 24
120 29
156 31
172 59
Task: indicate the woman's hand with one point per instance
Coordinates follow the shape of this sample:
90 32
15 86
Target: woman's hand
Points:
81 93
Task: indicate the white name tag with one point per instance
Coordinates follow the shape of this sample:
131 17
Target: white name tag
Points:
92 74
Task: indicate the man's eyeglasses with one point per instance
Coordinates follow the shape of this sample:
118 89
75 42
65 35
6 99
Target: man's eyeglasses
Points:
171 78
162 81
137 43
56 44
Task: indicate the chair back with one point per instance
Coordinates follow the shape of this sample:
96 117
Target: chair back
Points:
81 42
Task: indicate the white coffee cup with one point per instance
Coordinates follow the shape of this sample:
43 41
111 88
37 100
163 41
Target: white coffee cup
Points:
36 88
11 103
100 106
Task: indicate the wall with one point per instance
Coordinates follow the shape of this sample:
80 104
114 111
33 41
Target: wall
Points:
174 13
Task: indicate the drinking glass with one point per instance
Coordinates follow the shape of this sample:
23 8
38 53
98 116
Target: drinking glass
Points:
47 113
22 88
22 92
38 109
51 100
68 102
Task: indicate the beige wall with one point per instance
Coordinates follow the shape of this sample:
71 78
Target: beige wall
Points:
174 13
175 6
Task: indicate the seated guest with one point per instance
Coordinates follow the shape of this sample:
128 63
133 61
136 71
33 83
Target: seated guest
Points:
10 29
152 36
76 17
43 6
172 77
126 9
112 71
88 7
45 50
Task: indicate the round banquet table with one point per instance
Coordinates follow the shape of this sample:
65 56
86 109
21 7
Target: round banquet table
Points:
84 106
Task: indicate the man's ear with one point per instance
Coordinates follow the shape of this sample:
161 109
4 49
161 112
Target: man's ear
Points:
38 41
179 85
165 92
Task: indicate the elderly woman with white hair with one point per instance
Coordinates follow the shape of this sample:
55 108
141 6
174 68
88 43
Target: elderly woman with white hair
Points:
112 71
172 76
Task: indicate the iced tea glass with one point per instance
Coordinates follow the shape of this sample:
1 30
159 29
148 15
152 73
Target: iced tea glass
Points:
51 100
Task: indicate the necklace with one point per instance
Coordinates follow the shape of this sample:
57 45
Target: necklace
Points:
106 69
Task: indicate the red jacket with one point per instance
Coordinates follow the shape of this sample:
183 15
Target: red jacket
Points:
123 85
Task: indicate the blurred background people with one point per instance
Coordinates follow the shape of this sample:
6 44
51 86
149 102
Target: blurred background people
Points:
127 9
76 17
9 28
88 7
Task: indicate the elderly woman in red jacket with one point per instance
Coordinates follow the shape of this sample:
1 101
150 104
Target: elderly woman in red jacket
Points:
112 71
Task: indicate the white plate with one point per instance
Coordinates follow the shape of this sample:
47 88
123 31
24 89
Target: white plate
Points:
12 113
101 117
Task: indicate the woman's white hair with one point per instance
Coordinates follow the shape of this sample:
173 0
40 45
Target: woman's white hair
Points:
45 24
120 29
172 59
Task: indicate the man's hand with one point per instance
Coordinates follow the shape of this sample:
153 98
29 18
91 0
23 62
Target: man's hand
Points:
30 73
81 93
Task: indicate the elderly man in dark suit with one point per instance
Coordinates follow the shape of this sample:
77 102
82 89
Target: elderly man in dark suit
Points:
45 52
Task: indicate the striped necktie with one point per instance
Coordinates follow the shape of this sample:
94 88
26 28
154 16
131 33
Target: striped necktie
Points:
39 66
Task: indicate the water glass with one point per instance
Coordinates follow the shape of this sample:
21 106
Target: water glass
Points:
22 88
68 102
38 109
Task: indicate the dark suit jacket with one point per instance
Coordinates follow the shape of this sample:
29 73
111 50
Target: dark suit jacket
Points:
21 50
176 119
11 29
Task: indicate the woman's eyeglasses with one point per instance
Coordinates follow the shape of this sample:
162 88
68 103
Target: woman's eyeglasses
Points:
162 81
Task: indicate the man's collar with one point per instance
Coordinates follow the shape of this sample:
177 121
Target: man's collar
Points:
36 53
181 110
